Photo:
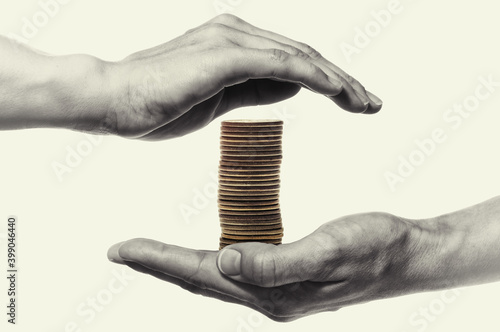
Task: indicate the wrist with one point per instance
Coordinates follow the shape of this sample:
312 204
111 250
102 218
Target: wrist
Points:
433 252
84 93
43 91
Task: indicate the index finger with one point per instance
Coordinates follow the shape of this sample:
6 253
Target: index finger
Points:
195 267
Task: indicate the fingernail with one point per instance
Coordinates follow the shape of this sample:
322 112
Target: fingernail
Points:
364 99
113 254
374 98
229 262
335 82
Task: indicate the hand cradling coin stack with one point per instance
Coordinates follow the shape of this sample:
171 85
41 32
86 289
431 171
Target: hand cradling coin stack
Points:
249 181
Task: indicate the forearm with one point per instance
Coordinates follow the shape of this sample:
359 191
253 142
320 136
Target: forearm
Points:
457 249
42 91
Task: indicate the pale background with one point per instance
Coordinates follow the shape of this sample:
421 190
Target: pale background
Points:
426 59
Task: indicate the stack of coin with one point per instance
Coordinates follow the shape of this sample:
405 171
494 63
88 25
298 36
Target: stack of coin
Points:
249 181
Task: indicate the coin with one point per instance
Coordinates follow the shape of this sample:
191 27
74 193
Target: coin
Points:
234 223
253 237
243 202
247 179
248 208
251 220
252 122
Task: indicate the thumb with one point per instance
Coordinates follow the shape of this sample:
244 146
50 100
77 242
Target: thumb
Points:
269 265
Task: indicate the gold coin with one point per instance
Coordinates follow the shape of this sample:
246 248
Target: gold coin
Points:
251 158
251 219
246 225
247 203
249 194
252 237
250 163
249 184
251 227
265 187
253 231
248 208
252 122
248 179
239 198
249 171
276 130
251 148
227 241
249 214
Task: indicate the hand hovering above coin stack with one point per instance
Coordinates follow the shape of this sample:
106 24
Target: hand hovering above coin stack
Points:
249 181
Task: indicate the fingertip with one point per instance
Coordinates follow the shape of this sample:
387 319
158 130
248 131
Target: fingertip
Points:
135 249
350 103
376 100
364 100
375 104
372 110
114 255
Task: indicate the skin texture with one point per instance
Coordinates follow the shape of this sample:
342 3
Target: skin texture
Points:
172 89
351 260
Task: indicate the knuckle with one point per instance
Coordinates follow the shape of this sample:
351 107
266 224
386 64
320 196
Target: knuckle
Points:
226 18
215 29
351 79
215 33
311 52
192 30
315 70
291 50
302 55
194 278
263 269
257 268
278 55
138 239
327 250
296 52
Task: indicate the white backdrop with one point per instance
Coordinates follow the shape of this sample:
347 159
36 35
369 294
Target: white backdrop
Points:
428 57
